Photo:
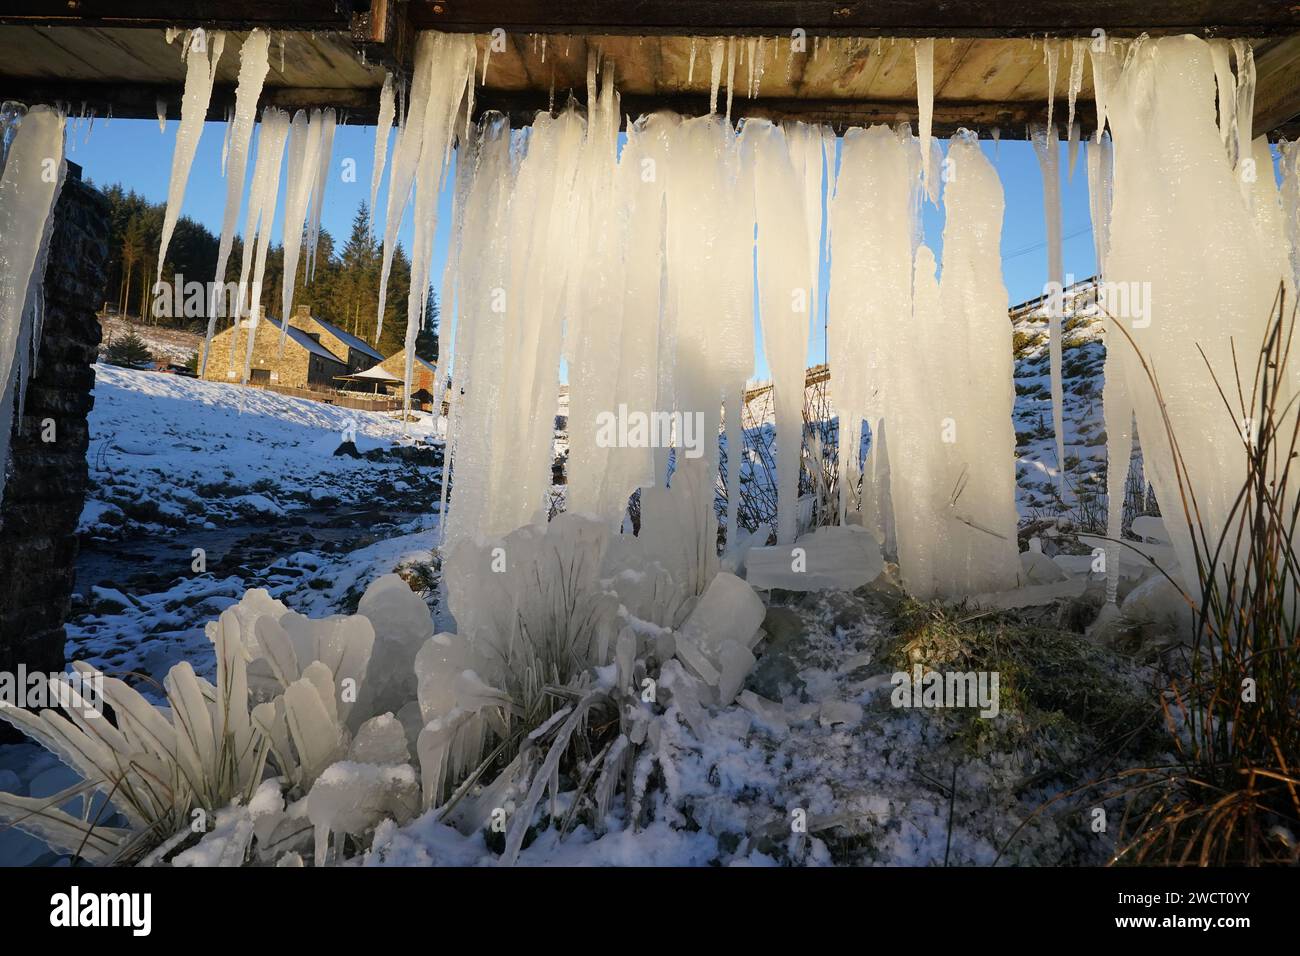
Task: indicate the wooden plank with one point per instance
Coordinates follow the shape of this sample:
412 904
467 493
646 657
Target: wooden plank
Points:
837 113
1277 86
221 14
861 17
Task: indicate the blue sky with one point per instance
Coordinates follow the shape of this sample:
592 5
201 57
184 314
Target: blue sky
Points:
135 154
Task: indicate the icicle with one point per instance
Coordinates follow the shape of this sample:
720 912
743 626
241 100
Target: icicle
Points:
1075 133
443 72
870 280
1220 56
690 67
731 74
1100 197
543 47
1183 239
382 129
1052 56
751 56
979 551
715 73
262 200
758 69
1047 147
253 67
924 51
328 122
1291 202
225 143
200 71
1077 49
450 65
487 56
1245 106
997 142
162 114
784 283
27 201
305 140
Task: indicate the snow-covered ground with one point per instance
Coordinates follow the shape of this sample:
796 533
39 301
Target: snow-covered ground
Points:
877 785
173 452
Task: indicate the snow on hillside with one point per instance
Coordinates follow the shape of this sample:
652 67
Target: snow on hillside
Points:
166 345
171 452
1082 365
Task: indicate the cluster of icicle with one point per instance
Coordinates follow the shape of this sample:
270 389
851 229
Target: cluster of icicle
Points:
1187 206
306 138
636 268
31 177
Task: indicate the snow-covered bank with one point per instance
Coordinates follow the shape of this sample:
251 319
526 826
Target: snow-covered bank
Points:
171 452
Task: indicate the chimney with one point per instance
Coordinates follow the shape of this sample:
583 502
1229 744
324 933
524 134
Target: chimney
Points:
301 318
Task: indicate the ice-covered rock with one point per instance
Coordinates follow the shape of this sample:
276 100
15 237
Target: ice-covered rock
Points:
729 610
382 741
1038 568
1151 528
352 798
1158 608
402 624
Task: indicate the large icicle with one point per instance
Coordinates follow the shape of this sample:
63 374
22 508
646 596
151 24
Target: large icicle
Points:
925 111
1245 112
1221 57
328 121
594 316
33 170
253 67
1183 238
200 71
1048 149
1052 56
383 127
870 281
262 200
784 285
979 553
435 98
304 162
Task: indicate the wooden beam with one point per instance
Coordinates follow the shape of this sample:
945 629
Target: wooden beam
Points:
216 14
993 18
139 100
1011 119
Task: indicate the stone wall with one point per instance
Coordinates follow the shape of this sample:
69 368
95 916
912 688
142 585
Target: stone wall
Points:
47 479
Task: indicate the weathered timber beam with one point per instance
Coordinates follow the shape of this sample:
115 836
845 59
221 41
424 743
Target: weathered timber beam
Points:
216 14
1012 119
139 101
992 18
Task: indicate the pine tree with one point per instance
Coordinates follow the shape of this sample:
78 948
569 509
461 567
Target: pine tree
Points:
426 340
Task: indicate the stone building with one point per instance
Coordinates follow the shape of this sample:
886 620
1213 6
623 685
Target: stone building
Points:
307 360
47 473
422 375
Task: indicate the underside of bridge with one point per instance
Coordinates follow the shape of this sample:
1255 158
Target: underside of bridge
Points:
844 63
